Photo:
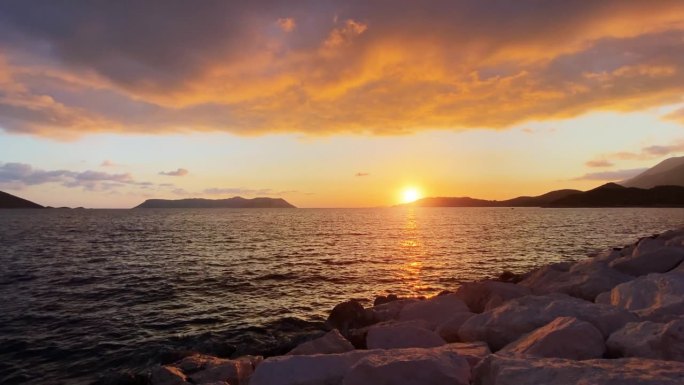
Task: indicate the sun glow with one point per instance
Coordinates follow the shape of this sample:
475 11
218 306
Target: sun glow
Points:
410 194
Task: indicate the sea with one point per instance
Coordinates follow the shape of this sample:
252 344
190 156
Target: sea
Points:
87 296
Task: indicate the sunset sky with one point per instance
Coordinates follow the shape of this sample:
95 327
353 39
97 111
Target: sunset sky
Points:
334 103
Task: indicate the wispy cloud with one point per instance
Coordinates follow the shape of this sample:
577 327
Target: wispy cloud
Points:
645 153
178 172
599 163
616 175
109 163
362 174
18 175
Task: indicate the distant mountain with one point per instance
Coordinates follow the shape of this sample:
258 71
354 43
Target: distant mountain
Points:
524 201
9 201
669 172
615 195
233 203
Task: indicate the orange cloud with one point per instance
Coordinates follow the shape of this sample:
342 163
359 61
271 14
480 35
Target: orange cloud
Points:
374 69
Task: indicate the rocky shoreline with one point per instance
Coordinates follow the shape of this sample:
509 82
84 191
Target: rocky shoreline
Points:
614 318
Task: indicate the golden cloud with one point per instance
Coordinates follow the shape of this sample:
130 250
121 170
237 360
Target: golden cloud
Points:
354 67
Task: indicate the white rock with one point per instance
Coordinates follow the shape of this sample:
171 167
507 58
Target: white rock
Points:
564 337
654 297
410 367
657 261
399 335
662 341
510 370
323 369
585 280
167 375
435 310
331 342
449 329
508 322
484 295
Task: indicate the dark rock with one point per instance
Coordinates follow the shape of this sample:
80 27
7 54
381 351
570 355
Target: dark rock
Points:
347 315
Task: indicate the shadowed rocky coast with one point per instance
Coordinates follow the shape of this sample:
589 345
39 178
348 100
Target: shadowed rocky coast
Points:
615 317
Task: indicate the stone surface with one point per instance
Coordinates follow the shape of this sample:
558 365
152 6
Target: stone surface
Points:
657 261
235 372
654 297
485 295
331 342
449 329
508 322
389 311
434 311
400 335
662 341
510 370
410 367
583 280
167 375
322 369
564 337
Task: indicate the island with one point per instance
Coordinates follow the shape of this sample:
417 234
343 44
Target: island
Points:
231 203
9 201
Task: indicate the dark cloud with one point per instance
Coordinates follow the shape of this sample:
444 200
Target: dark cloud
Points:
617 175
321 67
178 172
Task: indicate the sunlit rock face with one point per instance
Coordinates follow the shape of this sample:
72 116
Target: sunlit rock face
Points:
202 369
508 370
655 297
662 341
508 322
486 295
434 311
431 366
564 337
331 342
584 280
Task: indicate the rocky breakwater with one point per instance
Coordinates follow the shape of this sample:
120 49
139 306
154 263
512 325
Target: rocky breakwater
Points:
617 317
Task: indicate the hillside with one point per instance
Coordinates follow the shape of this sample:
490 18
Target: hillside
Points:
669 172
233 203
524 201
9 201
614 195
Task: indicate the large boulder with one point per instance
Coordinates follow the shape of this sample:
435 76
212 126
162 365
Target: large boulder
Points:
508 322
203 369
654 297
510 370
331 342
486 295
449 330
390 310
322 369
583 280
660 260
401 335
434 311
410 367
662 341
564 337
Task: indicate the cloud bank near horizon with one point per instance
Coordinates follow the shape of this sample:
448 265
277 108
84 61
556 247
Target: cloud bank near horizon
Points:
319 68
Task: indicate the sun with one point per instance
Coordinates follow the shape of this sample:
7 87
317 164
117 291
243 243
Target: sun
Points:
410 194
